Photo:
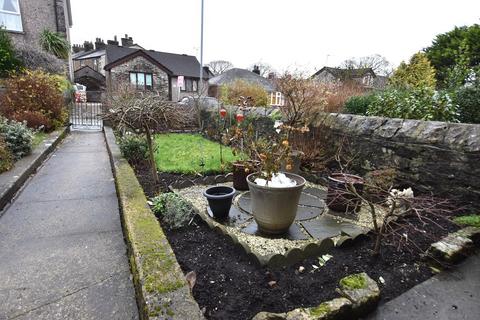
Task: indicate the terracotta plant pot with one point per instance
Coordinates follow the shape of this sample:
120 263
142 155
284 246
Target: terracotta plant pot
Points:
240 177
220 200
275 209
339 198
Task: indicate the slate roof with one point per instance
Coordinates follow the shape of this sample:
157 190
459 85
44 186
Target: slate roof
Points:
177 64
346 73
232 75
91 55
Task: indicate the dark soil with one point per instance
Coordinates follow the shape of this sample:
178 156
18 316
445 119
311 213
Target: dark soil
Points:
230 286
151 189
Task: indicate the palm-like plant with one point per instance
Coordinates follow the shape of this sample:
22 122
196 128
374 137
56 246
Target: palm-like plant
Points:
55 43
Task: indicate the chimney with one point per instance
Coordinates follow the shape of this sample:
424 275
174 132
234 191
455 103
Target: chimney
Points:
113 42
127 41
88 46
256 69
77 48
206 72
99 44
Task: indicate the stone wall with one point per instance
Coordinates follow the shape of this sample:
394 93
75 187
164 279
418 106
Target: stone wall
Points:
440 157
119 75
38 15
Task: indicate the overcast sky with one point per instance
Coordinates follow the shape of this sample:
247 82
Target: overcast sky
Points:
304 34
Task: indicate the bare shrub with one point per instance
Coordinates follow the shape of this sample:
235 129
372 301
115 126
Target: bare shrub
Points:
339 94
145 113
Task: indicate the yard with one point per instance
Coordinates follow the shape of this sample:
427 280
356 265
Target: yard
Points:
190 154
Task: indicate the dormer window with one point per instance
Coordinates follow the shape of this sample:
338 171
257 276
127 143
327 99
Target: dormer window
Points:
10 17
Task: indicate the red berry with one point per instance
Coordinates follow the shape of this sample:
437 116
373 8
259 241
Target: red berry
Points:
223 113
240 117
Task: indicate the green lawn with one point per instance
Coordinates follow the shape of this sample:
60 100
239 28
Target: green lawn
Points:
185 153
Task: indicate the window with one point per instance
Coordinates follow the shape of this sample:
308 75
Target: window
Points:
277 99
141 81
190 84
10 16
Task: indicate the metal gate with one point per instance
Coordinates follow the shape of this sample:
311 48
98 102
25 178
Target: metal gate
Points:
86 116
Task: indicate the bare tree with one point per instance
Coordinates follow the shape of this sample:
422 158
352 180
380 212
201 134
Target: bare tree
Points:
396 215
303 97
145 113
379 64
219 66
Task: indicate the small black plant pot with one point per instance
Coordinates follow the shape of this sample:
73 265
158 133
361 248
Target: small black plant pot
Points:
220 200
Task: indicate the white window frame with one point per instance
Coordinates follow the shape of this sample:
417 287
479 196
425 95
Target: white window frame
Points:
277 99
19 14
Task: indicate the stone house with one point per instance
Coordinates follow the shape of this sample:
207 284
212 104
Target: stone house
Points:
230 76
364 77
26 19
101 67
177 75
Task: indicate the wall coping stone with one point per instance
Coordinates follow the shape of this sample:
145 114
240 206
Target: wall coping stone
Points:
161 288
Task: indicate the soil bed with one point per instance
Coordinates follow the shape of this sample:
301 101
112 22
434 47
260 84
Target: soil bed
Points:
144 176
230 286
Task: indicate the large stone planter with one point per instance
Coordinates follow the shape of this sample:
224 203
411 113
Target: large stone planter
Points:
274 209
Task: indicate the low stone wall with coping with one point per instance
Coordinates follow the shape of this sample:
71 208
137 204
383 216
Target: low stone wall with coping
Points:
161 288
430 156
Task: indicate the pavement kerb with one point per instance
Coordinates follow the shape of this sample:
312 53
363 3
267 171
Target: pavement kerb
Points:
161 288
13 180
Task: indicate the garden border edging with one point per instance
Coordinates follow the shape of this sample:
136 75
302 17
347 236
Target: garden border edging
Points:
25 167
161 288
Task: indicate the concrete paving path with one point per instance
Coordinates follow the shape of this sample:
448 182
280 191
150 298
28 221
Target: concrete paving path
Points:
451 295
62 252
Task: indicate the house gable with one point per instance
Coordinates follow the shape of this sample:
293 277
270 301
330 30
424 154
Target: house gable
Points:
118 74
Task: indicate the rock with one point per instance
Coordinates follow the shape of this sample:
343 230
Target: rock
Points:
361 290
270 316
334 309
337 308
455 246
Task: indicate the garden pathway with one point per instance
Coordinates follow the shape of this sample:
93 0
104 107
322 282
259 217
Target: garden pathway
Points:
453 295
62 252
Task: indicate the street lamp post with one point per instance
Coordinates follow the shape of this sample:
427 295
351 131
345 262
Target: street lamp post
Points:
201 51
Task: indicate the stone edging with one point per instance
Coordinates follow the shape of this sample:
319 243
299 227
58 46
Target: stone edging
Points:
454 247
161 288
359 296
11 181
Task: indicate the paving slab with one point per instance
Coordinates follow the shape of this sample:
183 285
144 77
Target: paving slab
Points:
63 254
452 295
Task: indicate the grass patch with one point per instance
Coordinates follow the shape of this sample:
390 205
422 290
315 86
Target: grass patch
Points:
470 220
190 153
38 138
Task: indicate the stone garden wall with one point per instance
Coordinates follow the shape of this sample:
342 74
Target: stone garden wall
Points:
440 157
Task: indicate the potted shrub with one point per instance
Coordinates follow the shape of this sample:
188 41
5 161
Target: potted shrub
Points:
275 194
339 197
